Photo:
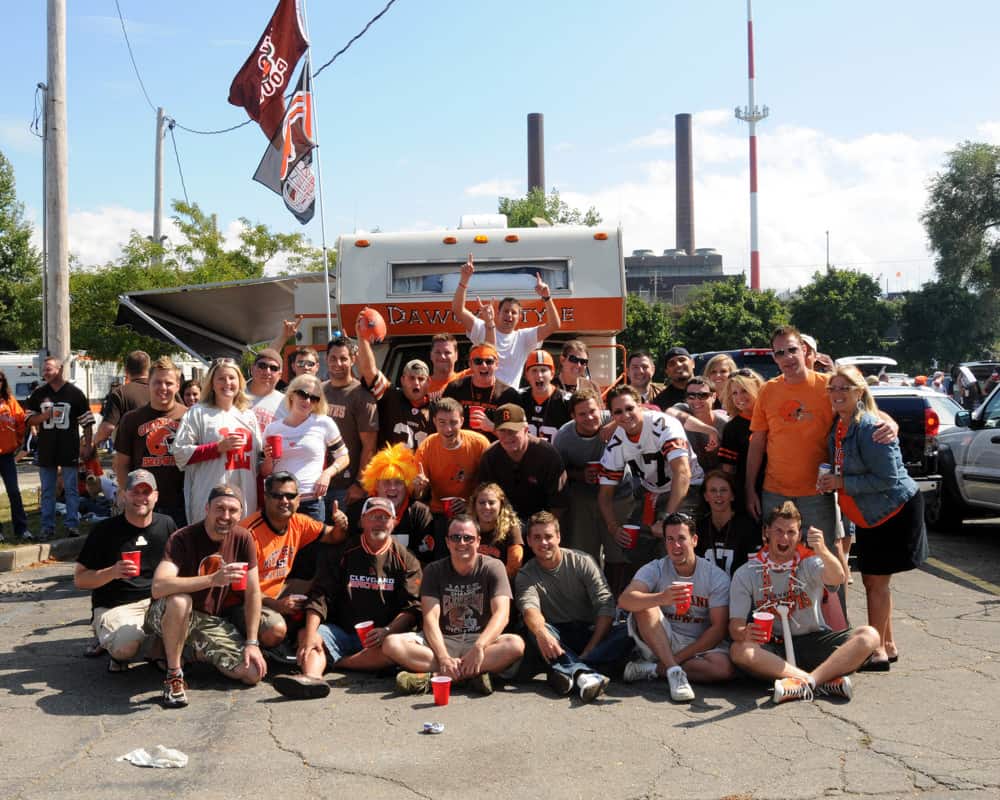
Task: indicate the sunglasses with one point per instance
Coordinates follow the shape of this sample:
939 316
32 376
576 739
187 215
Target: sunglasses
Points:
283 495
461 538
305 364
224 362
479 362
745 373
839 388
267 366
699 395
578 360
789 351
306 396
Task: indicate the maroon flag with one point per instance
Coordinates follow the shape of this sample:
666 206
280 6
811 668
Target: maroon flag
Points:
259 84
286 167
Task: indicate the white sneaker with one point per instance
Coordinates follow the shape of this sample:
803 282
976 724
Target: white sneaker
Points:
591 685
680 689
639 671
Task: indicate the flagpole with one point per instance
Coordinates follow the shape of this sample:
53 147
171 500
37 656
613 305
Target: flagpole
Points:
319 179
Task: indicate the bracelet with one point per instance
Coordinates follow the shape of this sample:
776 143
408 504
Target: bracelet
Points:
253 642
463 285
546 298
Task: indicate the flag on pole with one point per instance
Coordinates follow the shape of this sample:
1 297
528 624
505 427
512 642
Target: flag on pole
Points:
286 167
259 85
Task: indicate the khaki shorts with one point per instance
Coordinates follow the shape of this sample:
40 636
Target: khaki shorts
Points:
211 639
120 628
678 641
268 618
456 645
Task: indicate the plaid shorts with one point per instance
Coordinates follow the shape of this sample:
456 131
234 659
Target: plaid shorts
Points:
210 639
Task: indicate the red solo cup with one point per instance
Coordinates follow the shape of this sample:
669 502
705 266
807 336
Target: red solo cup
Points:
764 620
684 605
441 684
135 556
363 629
299 613
633 536
473 419
449 504
275 443
240 584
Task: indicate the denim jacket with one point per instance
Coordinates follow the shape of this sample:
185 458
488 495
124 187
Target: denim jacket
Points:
874 475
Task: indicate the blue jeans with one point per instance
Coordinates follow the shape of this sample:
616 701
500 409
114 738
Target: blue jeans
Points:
48 477
573 637
8 472
338 643
314 508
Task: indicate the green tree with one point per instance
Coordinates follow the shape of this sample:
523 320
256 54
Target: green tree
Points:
20 266
521 211
726 314
945 322
844 311
648 326
962 217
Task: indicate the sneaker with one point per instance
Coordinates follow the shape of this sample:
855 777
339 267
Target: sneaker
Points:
561 683
591 685
838 687
175 691
680 689
482 683
791 689
300 687
45 535
413 682
640 671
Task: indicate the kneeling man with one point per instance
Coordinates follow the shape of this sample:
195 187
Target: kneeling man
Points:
192 588
465 600
784 573
680 608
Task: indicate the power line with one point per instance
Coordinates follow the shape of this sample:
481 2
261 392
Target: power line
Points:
131 56
177 156
354 38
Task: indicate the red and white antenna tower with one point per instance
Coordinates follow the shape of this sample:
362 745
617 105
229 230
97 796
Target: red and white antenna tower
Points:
752 114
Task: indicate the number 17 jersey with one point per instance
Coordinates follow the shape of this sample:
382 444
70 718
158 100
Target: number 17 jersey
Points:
661 440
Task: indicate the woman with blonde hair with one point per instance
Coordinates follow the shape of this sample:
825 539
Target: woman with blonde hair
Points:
739 399
218 441
499 528
312 448
717 372
878 496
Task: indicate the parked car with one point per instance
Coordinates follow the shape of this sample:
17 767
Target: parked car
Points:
969 458
756 358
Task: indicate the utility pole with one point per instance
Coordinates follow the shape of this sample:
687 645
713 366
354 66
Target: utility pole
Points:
44 349
828 251
158 183
57 185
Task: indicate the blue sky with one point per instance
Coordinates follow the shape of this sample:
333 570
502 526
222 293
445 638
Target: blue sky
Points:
423 119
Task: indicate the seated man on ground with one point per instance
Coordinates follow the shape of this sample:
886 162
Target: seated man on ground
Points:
119 586
675 641
193 587
569 614
465 600
784 573
373 579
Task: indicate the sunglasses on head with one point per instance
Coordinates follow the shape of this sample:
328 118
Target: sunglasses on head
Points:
678 518
746 373
268 366
461 538
578 360
479 362
306 396
224 362
283 495
791 351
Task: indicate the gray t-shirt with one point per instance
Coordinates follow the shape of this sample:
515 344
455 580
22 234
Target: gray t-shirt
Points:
575 591
466 600
710 590
577 450
758 588
708 460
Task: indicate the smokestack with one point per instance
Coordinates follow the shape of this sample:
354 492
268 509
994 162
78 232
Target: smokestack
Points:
684 178
536 152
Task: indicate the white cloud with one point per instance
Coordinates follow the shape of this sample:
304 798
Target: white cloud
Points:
989 132
498 187
14 135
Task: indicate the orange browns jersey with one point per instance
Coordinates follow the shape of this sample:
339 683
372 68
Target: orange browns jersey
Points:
275 551
452 473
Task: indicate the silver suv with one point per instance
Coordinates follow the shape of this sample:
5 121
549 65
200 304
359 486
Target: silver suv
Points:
969 461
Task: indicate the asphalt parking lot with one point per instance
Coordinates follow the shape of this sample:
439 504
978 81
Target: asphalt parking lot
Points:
926 729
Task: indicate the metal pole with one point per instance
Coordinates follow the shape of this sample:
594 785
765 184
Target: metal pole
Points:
828 251
57 184
158 184
43 349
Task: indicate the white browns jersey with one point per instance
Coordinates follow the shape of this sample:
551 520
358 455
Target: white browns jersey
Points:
661 440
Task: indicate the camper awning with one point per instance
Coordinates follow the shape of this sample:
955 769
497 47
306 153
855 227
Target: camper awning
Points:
215 320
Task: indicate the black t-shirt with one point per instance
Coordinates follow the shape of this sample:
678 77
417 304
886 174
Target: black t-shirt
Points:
545 418
401 421
104 547
729 547
489 398
531 485
670 396
59 436
733 450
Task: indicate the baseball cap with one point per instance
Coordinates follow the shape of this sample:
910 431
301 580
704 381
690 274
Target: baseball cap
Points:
809 340
673 352
510 417
539 358
379 504
483 351
225 491
268 354
140 476
415 365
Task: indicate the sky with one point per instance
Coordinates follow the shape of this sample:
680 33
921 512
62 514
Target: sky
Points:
424 118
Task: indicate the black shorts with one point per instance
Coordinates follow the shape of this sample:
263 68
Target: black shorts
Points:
811 649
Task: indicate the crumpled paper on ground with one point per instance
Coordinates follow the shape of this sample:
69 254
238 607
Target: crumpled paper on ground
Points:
161 758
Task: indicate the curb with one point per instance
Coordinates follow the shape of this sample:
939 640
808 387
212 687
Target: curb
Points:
26 555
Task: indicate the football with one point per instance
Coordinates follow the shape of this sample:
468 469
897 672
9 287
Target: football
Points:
371 326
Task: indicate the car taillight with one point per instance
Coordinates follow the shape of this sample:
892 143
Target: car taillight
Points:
932 422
